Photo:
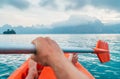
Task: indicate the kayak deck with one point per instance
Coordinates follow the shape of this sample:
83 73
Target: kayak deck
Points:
47 72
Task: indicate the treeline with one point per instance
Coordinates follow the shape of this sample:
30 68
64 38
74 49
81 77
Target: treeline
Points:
9 31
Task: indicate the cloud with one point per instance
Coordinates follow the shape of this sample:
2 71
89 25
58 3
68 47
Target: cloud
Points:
20 4
50 4
78 4
78 24
76 20
108 4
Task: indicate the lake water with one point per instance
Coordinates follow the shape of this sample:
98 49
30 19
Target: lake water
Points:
109 70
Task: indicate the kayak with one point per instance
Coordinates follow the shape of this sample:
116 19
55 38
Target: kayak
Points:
47 72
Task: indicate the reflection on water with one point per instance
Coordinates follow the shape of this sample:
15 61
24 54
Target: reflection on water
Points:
110 70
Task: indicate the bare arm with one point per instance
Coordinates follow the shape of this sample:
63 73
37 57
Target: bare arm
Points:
64 69
49 53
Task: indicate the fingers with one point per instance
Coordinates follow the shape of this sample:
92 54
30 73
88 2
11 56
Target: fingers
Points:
75 55
35 58
75 58
51 42
42 40
32 63
35 41
46 48
32 73
48 40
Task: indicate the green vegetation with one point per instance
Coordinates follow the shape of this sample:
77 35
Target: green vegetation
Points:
9 31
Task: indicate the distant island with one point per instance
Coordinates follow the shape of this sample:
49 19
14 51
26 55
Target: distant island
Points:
9 31
90 28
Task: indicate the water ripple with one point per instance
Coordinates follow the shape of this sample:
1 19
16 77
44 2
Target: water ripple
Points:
110 70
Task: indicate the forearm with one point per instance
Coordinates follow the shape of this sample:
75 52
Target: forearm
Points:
64 69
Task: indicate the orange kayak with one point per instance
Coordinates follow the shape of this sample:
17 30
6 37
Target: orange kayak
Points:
47 72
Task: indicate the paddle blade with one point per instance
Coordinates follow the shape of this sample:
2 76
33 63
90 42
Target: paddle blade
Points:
102 51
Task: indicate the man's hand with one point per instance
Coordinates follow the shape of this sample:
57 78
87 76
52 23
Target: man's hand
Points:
47 51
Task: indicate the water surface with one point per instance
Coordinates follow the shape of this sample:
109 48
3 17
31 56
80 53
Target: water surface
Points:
110 70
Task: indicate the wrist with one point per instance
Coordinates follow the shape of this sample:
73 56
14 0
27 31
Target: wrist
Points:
56 60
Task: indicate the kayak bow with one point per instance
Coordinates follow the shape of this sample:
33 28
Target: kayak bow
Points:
47 72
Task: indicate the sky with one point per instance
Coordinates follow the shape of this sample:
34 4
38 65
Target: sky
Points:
49 12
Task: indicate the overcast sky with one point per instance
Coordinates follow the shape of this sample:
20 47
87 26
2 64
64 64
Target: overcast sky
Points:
47 12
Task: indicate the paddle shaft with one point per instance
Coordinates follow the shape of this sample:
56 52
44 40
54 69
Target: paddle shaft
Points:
29 48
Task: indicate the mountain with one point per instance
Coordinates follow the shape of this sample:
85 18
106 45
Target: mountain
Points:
74 25
78 29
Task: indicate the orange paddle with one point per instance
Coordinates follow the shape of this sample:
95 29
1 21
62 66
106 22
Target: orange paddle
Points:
101 49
